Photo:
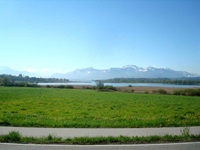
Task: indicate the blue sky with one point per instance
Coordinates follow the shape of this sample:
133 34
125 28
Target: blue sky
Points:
47 36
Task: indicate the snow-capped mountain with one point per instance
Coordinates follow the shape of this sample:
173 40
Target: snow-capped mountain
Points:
129 71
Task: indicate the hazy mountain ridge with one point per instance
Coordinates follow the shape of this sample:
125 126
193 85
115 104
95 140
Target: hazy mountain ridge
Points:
129 71
10 71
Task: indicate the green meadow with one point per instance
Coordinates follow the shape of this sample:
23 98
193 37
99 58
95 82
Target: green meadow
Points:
53 107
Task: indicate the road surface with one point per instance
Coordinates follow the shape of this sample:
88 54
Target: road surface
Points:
169 146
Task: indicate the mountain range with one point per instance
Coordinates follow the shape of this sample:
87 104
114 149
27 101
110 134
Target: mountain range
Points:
129 71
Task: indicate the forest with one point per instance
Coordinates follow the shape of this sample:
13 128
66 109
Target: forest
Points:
11 80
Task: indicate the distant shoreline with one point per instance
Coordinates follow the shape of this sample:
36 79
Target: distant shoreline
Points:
137 89
159 85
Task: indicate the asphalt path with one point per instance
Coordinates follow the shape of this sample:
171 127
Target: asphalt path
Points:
93 132
169 146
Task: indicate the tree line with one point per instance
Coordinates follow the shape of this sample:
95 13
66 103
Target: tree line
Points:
180 81
20 80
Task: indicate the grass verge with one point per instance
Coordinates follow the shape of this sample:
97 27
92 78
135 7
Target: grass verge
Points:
15 137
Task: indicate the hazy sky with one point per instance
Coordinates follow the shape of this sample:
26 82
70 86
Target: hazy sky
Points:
62 35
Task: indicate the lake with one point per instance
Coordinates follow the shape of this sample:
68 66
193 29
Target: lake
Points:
124 84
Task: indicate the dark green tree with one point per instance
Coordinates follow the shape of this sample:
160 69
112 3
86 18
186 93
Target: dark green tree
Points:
5 82
99 85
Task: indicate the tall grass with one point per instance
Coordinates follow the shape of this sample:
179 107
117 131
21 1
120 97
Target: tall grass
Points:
11 137
187 92
15 137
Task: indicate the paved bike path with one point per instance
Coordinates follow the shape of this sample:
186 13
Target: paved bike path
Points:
93 132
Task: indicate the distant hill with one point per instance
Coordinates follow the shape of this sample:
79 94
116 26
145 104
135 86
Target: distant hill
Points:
10 71
130 71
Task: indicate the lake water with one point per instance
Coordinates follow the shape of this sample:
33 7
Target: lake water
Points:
124 84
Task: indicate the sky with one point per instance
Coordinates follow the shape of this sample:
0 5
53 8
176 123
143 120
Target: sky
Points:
49 36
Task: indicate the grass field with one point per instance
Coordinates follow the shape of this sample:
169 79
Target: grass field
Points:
49 107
